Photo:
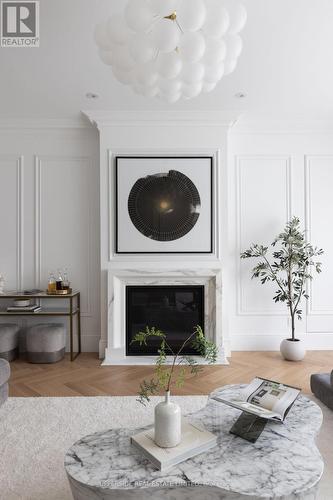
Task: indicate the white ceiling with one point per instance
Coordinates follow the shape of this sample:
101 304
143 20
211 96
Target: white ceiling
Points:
285 68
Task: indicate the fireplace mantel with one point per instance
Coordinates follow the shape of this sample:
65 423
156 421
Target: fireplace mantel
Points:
211 279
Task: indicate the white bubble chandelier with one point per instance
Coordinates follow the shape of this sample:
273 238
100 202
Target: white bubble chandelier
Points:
172 49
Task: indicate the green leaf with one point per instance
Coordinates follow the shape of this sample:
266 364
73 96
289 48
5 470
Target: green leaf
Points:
147 389
142 337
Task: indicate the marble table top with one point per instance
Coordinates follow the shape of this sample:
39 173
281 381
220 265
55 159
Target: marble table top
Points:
284 462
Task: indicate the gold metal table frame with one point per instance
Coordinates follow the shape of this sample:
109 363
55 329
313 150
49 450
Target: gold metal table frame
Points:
71 312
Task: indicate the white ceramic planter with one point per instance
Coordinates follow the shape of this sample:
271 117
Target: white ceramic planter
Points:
168 423
292 350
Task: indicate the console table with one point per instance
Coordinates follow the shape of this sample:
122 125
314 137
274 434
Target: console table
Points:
283 464
72 311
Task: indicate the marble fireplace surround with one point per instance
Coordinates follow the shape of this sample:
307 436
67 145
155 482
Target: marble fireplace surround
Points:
116 326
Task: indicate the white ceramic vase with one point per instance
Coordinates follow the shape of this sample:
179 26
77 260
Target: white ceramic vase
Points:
168 423
292 350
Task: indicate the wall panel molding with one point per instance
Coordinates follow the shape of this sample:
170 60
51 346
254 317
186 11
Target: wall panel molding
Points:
40 161
20 222
18 163
239 160
38 228
308 204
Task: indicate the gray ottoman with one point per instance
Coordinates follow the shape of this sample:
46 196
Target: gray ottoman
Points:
4 377
46 343
9 341
322 387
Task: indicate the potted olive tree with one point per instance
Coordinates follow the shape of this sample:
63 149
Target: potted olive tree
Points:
290 267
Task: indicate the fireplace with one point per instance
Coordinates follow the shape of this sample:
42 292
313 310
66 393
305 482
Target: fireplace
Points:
173 309
120 281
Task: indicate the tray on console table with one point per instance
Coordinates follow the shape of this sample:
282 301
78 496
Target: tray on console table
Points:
284 464
71 312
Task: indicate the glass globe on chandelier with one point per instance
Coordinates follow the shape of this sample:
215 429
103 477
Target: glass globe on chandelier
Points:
172 49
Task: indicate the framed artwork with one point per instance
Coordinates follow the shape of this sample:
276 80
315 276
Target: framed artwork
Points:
164 204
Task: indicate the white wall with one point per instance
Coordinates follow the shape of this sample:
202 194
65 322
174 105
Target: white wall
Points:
275 173
49 212
266 175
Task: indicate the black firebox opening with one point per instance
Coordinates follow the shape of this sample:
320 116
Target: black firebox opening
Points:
175 310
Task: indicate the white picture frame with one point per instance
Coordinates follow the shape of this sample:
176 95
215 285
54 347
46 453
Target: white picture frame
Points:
197 169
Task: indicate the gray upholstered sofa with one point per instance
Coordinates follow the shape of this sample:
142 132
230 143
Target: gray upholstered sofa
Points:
322 387
4 377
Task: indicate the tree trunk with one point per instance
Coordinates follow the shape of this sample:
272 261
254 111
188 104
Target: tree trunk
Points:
293 326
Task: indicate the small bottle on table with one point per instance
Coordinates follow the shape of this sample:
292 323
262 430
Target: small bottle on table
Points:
51 286
59 281
65 283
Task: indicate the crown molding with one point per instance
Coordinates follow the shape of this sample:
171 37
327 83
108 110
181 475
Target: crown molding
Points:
44 123
102 118
268 124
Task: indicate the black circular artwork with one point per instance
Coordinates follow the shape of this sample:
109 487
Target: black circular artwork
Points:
164 206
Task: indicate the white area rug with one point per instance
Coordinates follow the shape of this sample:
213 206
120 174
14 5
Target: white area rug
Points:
36 432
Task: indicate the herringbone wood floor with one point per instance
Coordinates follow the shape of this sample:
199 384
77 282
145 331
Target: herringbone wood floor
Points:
85 376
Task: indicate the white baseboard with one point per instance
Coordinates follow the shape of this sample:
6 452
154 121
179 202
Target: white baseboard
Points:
227 348
102 348
89 343
313 341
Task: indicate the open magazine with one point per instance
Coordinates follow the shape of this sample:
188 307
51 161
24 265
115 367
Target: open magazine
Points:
264 398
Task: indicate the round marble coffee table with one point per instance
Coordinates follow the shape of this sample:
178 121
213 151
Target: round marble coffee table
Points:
284 463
